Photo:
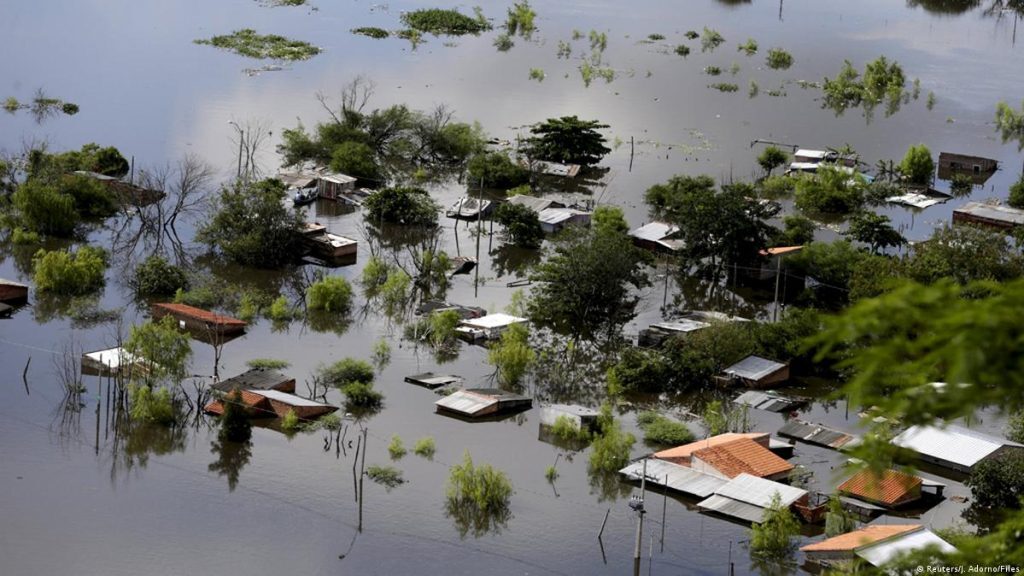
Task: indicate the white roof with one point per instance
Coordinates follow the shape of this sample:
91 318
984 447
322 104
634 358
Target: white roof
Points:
993 212
916 200
807 153
734 508
952 443
558 215
336 177
113 358
681 325
338 241
878 553
758 491
654 231
532 202
290 399
490 321
753 368
678 478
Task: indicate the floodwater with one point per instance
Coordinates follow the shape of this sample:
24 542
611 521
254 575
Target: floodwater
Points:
75 501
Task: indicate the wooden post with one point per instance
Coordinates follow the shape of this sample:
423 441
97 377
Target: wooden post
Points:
664 505
24 376
609 511
362 474
632 149
778 275
479 223
640 522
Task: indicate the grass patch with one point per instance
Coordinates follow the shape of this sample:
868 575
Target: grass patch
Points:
779 59
749 47
682 50
692 34
537 74
372 32
503 42
268 364
387 476
290 422
661 430
425 447
362 395
655 37
710 40
396 449
248 43
724 87
442 22
565 428
520 19
551 474
712 70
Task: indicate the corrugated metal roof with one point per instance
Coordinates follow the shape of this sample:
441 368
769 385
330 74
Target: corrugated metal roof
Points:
862 537
465 402
992 212
732 507
916 200
534 203
654 231
952 443
808 153
681 325
113 358
490 321
816 434
754 368
336 177
881 552
431 380
559 215
758 491
255 379
290 399
678 478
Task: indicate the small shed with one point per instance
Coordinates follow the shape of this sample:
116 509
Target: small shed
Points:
890 488
657 237
534 203
755 372
746 497
13 292
257 379
274 403
993 215
741 456
199 322
842 549
953 447
977 167
920 198
816 434
557 169
553 220
332 185
431 380
465 312
769 401
677 478
656 334
487 327
111 362
481 402
584 418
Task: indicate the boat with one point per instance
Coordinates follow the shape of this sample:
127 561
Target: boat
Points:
469 208
303 196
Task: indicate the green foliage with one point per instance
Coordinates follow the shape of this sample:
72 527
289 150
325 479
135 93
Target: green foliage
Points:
234 422
710 39
371 31
268 364
440 22
712 70
520 19
771 158
778 186
551 474
165 349
21 237
724 86
639 370
387 476
775 537
779 59
917 165
442 326
381 354
749 47
874 230
714 418
587 286
609 220
998 483
512 355
290 422
503 42
831 263
157 277
356 159
837 519
830 191
1009 123
965 254
70 273
42 208
478 487
252 226
961 185
246 42
882 80
409 206
425 447
280 310
1016 197
41 106
661 430
152 406
331 294
250 304
568 140
521 224
347 371
396 449
611 446
361 395
798 230
496 170
682 50
1015 427
375 273
566 429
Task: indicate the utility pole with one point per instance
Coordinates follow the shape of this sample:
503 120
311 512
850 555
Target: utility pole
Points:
778 276
479 224
638 505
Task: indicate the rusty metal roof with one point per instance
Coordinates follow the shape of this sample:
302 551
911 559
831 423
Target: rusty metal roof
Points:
857 538
743 455
891 487
686 450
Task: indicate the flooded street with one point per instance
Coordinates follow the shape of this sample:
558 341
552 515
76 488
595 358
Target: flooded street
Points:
75 499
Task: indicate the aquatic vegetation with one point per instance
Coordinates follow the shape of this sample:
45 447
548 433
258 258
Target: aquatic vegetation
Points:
710 40
443 22
930 101
396 448
724 87
564 49
537 74
712 70
551 474
566 429
387 476
682 50
346 371
749 47
415 37
598 41
154 405
734 68
425 447
1010 123
611 446
655 37
691 35
779 59
512 355
503 42
520 20
478 486
882 81
268 364
70 273
661 430
753 89
372 32
157 277
330 294
248 43
361 395
41 106
381 354
280 310
290 422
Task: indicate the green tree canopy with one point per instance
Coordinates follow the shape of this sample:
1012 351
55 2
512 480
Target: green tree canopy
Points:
568 140
251 225
874 230
917 165
496 170
521 223
402 205
165 349
771 158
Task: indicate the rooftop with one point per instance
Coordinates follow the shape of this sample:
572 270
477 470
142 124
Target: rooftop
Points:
890 487
490 321
754 368
255 379
743 455
199 314
858 538
675 477
952 443
286 398
759 492
992 212
687 450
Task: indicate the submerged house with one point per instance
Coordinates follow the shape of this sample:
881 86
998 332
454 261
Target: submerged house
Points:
465 312
740 456
769 401
582 417
112 362
128 194
657 237
992 215
554 216
681 455
978 168
876 545
257 379
327 246
682 479
12 292
200 323
487 327
656 334
816 434
334 185
482 402
954 447
888 489
755 372
746 498
274 404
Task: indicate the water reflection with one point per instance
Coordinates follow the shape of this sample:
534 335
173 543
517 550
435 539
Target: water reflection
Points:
947 7
514 261
136 442
231 458
608 486
476 521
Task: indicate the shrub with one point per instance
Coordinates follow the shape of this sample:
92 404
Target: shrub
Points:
1009 122
371 31
661 430
496 170
250 304
425 447
771 158
1015 428
280 310
682 50
387 476
998 483
252 226
410 206
439 22
347 371
830 191
381 354
163 346
724 86
710 39
149 405
961 185
712 70
478 487
234 422
44 209
290 421
361 395
21 236
639 370
837 519
268 364
610 449
749 47
157 277
331 294
503 42
566 429
779 59
551 474
774 537
521 224
248 43
442 328
396 449
917 165
520 19
68 273
1016 197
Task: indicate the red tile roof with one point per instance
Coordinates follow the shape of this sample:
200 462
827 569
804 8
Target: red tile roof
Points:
889 488
681 454
249 399
743 455
866 535
200 314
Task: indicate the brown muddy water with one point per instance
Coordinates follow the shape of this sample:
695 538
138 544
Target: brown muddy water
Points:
73 500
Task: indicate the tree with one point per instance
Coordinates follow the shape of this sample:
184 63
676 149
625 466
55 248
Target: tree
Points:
355 159
156 277
611 446
401 205
830 191
609 219
346 371
798 230
164 348
70 273
640 370
521 223
496 170
568 140
234 422
587 287
1015 428
998 483
251 225
330 294
771 158
1016 197
837 519
875 231
512 355
917 165
965 254
774 538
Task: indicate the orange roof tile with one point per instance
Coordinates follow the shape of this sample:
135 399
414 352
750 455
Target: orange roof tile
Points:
866 535
249 399
686 450
889 488
200 314
781 250
743 455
